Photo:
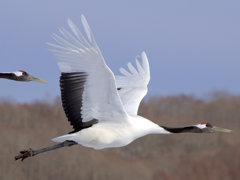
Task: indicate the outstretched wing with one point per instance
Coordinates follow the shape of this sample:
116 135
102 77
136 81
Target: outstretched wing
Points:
132 85
88 88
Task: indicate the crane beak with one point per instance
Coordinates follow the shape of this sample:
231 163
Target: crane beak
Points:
38 80
218 129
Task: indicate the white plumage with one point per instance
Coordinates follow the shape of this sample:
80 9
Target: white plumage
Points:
133 84
115 110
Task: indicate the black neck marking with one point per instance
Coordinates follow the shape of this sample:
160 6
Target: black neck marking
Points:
188 129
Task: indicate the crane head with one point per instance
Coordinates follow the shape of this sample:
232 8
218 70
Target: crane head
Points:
208 128
24 76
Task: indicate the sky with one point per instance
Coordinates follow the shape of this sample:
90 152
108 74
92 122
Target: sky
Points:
193 47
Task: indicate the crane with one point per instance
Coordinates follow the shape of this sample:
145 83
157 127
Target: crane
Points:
102 107
20 76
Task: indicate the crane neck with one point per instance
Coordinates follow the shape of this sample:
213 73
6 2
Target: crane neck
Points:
187 129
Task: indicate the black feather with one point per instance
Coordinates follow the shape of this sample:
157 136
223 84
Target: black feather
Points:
72 87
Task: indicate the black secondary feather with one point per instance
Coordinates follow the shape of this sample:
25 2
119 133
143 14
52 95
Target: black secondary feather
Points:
72 87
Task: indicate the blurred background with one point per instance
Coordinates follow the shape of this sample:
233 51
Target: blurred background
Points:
193 47
193 50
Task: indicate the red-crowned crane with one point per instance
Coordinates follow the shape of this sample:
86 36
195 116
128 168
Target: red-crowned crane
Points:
102 107
20 76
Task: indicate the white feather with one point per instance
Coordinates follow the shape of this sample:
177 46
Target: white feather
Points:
134 83
78 55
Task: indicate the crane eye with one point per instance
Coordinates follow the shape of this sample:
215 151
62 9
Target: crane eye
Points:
209 125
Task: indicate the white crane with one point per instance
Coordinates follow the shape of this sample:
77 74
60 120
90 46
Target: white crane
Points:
20 76
101 107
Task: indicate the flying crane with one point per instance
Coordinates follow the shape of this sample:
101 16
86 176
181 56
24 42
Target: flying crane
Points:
102 107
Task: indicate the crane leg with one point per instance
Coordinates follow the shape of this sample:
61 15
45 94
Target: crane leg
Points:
29 153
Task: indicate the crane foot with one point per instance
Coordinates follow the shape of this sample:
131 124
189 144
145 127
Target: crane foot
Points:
24 154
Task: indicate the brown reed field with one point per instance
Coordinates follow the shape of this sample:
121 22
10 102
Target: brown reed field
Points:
153 157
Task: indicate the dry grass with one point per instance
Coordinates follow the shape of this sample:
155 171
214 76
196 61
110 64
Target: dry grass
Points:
185 156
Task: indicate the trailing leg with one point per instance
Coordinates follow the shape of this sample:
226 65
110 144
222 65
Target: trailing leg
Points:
29 153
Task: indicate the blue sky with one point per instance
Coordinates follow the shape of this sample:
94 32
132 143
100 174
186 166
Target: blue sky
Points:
193 46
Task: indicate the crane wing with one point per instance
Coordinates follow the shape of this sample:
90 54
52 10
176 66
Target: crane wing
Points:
88 87
132 85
